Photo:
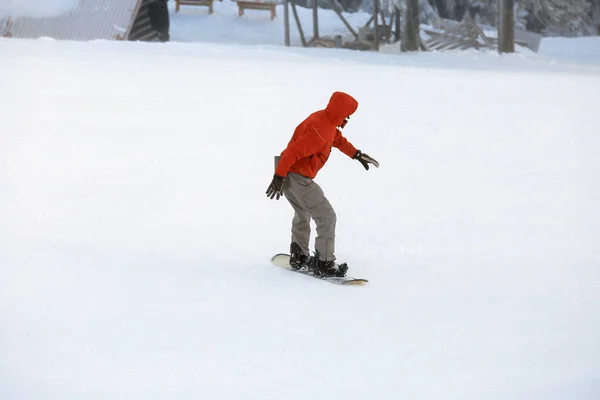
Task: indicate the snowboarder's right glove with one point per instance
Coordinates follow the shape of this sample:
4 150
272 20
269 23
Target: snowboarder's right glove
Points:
365 159
274 189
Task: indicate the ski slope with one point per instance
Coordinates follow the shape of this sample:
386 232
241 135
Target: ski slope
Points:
136 235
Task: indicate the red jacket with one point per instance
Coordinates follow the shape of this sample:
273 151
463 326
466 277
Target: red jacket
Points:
311 143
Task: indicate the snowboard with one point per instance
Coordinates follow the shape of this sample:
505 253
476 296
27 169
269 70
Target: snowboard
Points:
283 260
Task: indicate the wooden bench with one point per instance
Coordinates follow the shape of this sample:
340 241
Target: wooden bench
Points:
254 5
208 3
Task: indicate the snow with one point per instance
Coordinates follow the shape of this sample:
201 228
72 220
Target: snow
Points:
583 49
136 236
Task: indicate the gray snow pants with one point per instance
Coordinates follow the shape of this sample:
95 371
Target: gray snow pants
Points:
309 201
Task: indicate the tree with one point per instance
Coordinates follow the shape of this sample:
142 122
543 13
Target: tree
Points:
506 27
441 7
562 16
411 35
551 17
595 14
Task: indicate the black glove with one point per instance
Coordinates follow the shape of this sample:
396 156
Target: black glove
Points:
365 159
274 189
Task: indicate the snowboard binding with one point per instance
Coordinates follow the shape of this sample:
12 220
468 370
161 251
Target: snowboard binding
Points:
301 262
327 269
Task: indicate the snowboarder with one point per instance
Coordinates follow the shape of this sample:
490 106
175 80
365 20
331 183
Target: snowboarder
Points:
306 153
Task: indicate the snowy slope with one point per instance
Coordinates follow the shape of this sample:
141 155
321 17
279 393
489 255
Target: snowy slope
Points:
136 234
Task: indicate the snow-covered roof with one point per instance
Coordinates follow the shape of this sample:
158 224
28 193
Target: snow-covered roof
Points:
87 20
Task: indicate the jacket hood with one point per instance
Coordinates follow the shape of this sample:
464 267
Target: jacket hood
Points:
341 105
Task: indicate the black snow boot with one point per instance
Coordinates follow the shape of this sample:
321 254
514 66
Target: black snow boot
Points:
297 258
328 268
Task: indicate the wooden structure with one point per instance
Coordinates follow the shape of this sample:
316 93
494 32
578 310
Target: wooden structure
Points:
466 34
444 35
206 3
382 30
453 35
255 5
366 38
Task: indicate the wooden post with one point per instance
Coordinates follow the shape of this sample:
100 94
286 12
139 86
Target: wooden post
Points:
376 25
596 15
298 24
286 21
397 35
386 31
410 40
506 26
315 20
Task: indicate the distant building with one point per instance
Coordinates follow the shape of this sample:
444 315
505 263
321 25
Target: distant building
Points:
146 20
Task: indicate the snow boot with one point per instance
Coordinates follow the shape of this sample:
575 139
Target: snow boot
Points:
297 258
328 268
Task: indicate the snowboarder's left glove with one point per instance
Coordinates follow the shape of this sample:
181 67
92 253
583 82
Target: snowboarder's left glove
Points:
365 159
274 189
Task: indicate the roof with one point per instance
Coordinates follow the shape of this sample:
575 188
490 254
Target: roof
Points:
91 19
